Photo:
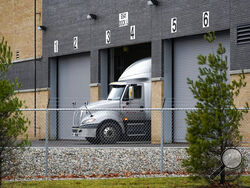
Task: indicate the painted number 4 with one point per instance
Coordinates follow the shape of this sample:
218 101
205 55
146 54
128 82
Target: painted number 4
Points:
173 25
108 37
132 32
205 19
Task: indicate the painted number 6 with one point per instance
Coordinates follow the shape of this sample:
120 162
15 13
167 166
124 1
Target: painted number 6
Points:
205 19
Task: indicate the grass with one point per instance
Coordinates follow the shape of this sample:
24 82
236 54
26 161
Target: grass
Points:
129 182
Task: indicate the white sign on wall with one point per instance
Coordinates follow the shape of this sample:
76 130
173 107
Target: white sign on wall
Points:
132 32
205 19
174 25
56 46
108 37
75 42
123 19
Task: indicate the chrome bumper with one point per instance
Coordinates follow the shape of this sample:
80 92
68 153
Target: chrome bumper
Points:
84 132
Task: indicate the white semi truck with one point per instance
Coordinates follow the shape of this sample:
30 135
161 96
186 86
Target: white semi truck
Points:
133 90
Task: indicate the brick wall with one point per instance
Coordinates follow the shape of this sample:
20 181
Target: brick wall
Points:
17 26
240 101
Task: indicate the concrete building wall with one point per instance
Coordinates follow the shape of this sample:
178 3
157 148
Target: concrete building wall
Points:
24 72
239 16
66 19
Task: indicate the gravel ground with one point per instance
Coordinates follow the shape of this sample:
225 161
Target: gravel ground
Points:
95 162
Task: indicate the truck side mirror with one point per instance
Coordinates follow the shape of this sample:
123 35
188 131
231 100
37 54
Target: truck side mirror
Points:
131 92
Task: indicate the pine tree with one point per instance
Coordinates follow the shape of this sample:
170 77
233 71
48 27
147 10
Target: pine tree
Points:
12 121
214 125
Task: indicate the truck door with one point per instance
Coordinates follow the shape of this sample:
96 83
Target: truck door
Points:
134 120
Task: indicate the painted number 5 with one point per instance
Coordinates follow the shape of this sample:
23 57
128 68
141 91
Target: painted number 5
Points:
173 25
205 19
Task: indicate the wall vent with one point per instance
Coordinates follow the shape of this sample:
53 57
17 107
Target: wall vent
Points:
17 54
243 34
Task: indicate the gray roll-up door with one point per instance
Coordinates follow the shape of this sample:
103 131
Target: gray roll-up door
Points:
73 89
186 50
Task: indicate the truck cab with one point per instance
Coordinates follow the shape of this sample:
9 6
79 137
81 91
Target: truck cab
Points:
123 115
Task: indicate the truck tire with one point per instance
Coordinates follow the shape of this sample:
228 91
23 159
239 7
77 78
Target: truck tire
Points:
109 133
92 140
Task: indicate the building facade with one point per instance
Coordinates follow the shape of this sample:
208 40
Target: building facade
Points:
88 44
17 27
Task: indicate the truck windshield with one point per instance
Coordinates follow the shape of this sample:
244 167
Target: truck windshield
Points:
116 93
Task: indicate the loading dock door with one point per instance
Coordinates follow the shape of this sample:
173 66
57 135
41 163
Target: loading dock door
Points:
186 50
73 89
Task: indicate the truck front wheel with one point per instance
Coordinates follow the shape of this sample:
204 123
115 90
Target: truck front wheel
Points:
109 133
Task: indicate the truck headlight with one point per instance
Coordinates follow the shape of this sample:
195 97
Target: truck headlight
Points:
91 120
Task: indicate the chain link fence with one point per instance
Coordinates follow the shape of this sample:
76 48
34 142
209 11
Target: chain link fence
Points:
83 142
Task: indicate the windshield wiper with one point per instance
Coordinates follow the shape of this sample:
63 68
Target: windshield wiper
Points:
85 104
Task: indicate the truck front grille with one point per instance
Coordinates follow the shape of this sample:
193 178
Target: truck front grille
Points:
77 118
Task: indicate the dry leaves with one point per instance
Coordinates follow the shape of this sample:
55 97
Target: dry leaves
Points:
109 175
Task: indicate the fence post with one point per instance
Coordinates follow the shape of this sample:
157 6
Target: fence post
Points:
162 138
46 143
162 133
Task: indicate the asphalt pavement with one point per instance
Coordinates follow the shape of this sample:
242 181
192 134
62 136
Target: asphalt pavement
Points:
84 143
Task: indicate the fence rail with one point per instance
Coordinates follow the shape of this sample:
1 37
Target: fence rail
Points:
115 109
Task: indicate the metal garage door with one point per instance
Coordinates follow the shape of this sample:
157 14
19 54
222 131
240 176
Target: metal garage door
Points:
186 50
73 89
